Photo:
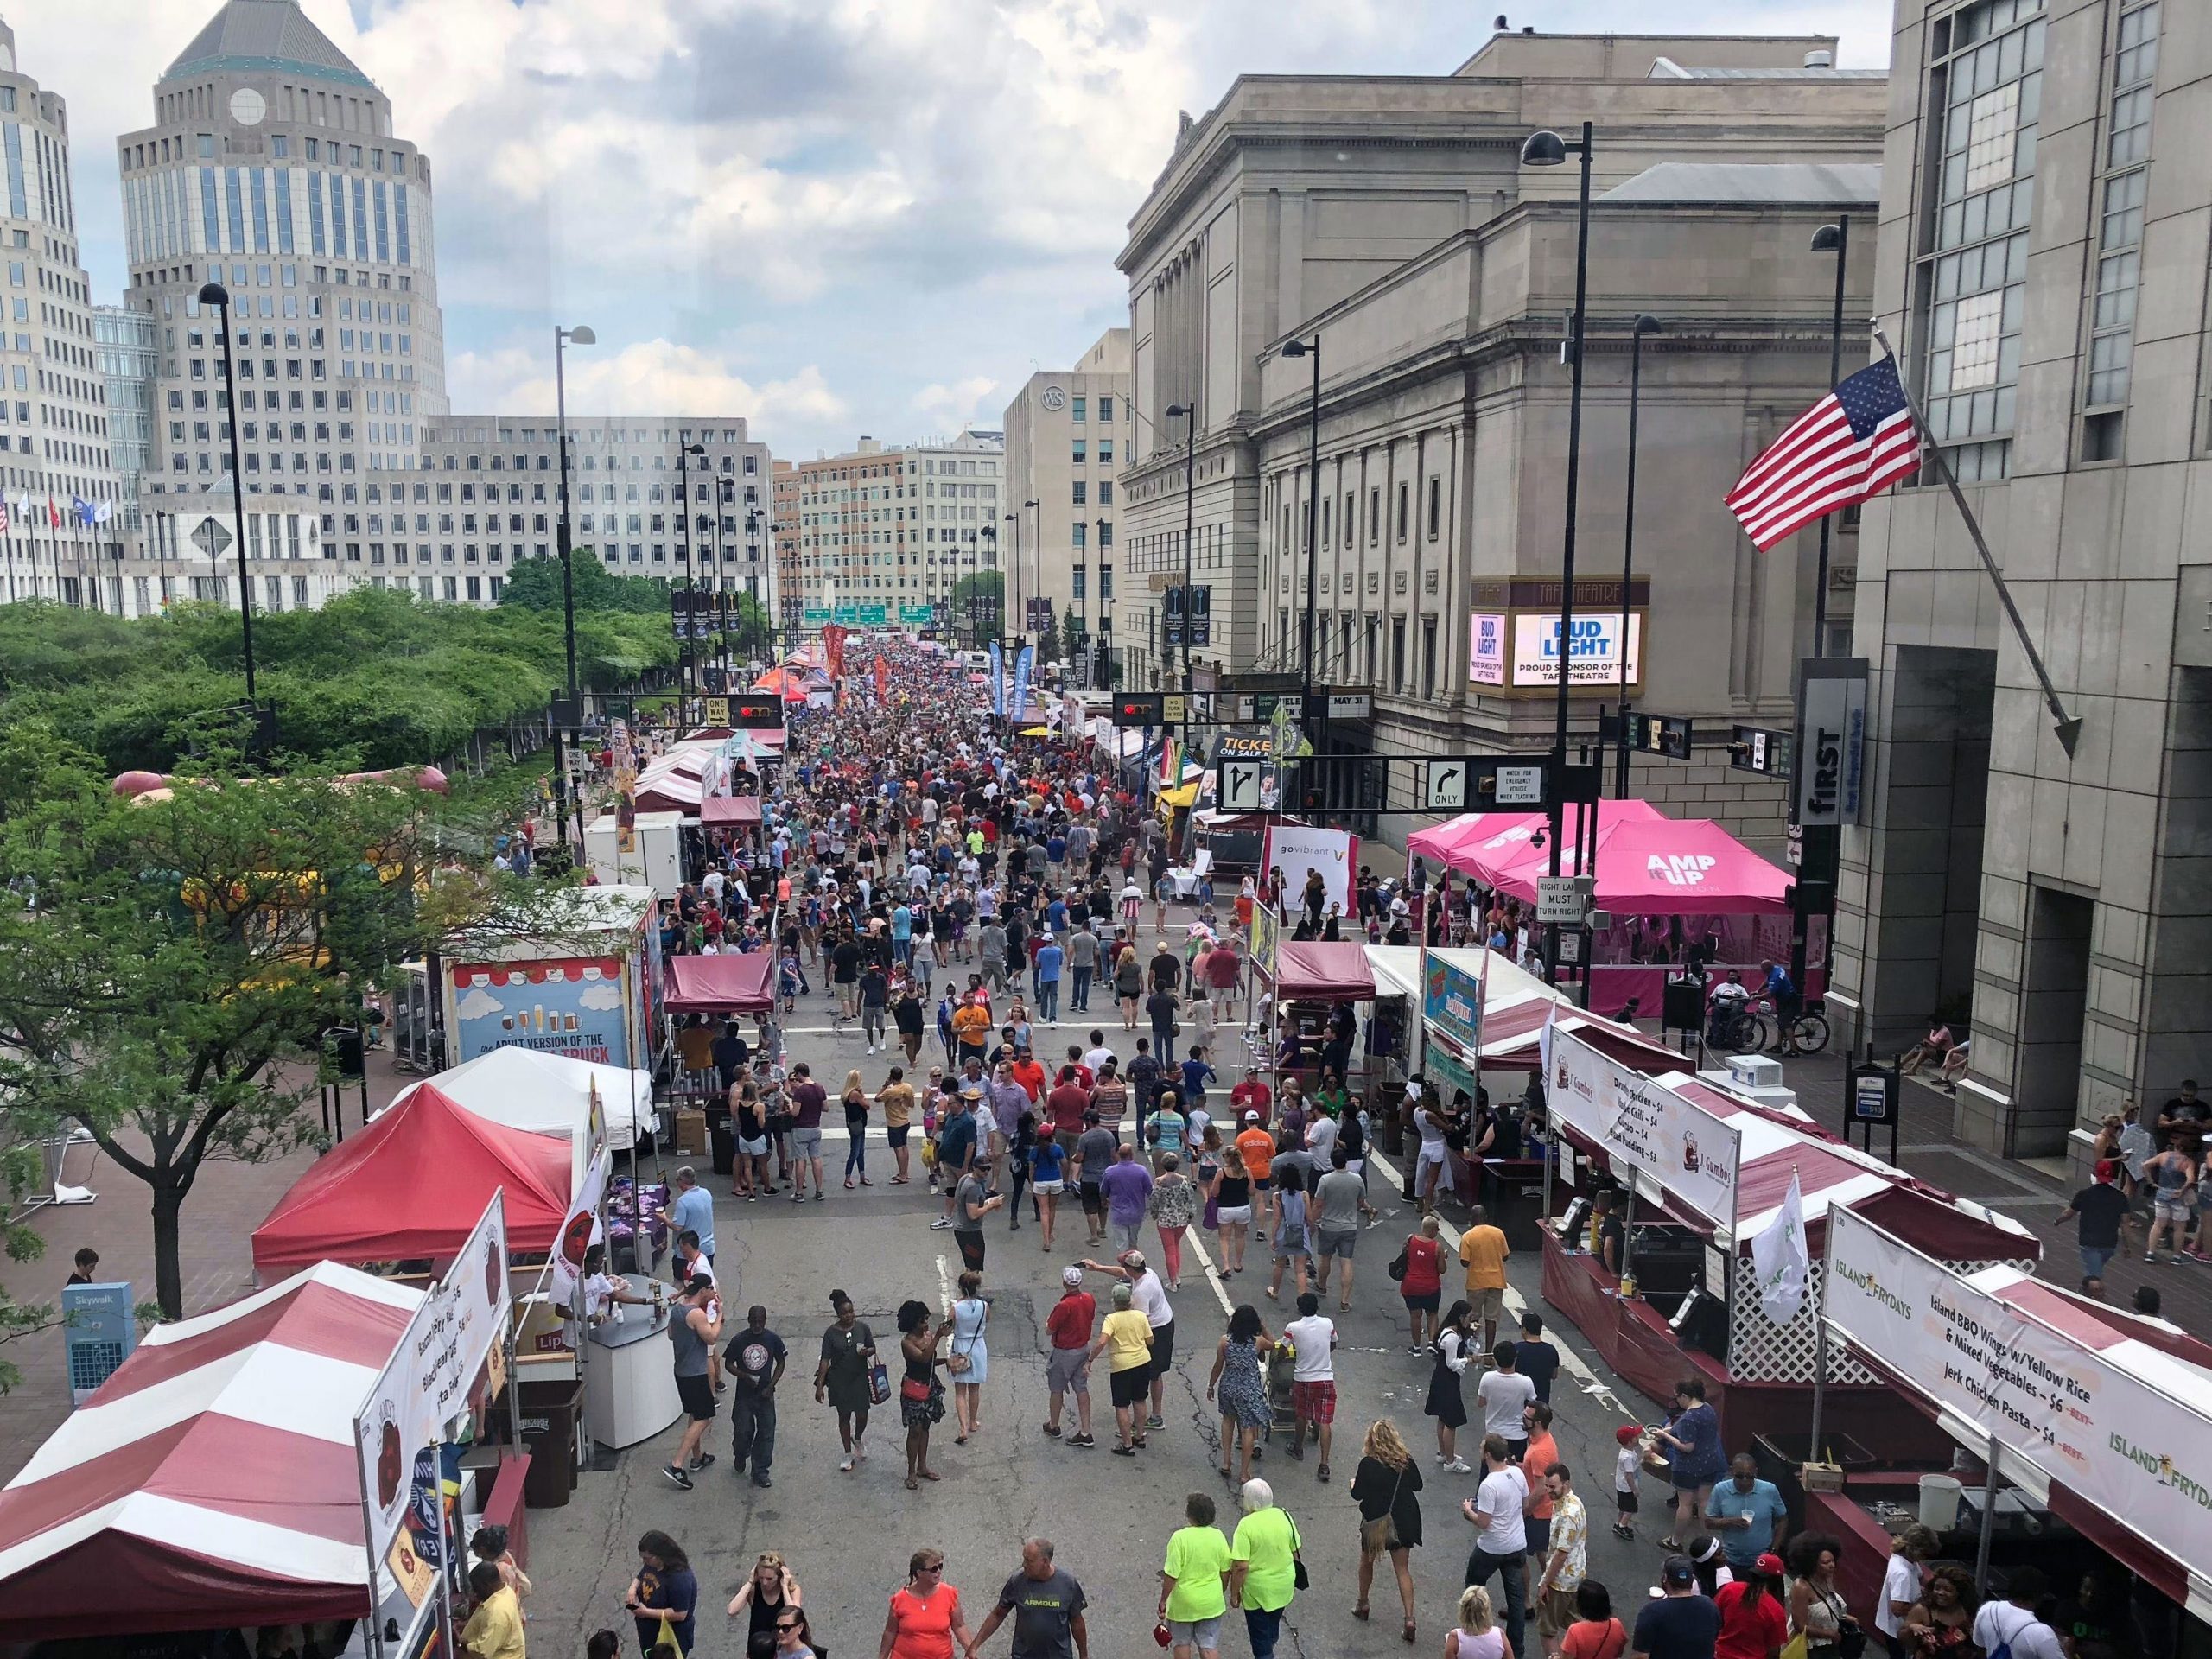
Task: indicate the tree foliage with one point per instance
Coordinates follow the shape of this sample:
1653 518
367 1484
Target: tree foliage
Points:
375 678
169 988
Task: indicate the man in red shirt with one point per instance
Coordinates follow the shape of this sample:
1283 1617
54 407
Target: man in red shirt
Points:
1065 1105
1252 1094
1069 1326
1029 1075
1084 1074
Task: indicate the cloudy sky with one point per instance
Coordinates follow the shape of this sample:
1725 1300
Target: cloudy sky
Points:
834 216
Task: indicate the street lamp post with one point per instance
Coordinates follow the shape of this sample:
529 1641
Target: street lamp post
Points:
985 603
216 294
1013 566
1189 416
1644 325
1037 557
1093 674
1310 348
1548 149
1830 238
683 453
752 579
562 337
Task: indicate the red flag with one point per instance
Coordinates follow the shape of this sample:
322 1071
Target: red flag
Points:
882 680
1851 446
833 650
53 514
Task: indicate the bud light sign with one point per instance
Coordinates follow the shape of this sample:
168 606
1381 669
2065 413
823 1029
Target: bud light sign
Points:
1592 652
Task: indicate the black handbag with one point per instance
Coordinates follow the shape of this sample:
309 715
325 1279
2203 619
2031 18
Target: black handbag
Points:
1398 1265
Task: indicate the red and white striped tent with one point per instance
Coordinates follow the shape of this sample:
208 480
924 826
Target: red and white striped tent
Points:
213 1480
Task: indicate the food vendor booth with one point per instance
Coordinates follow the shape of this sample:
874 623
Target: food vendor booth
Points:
2078 1434
549 1094
1671 886
1702 1173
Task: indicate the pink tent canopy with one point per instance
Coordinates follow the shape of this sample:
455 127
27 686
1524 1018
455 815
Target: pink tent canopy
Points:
719 984
1485 844
1317 971
729 809
213 1481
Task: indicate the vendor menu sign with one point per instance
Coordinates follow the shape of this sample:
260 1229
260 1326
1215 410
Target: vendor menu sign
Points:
1692 1154
2142 1456
426 1383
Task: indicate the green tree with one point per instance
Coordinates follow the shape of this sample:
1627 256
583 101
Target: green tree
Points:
168 991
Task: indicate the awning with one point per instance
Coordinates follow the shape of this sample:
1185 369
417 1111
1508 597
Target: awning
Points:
719 984
722 809
548 1094
1316 970
213 1481
1647 864
413 1183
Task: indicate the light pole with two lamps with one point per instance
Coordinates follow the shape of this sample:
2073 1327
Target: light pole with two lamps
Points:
1189 416
1644 325
1548 149
216 294
572 707
683 453
1836 239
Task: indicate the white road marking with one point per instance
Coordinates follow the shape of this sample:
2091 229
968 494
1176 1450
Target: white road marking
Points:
1516 1304
944 1279
1213 1277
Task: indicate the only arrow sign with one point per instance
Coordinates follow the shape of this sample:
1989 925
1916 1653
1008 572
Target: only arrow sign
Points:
1447 785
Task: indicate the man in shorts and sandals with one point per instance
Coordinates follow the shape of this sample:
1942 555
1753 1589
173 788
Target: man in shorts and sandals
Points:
1069 1369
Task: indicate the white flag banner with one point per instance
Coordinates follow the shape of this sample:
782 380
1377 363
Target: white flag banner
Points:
1780 1259
1544 1037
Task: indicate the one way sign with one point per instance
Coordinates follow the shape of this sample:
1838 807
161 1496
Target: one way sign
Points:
1240 786
1444 786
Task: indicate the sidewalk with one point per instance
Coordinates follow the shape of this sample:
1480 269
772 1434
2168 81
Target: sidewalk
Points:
2022 1191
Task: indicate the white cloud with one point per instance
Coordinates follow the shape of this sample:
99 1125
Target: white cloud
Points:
655 377
602 997
963 402
479 1004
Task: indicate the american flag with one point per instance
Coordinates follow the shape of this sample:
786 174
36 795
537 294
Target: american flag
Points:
1852 444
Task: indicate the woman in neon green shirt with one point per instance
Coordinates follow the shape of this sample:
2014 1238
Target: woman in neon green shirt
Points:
1264 1575
1191 1596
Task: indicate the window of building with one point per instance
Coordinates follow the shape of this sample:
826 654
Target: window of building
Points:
1397 653
1428 658
1078 448
1082 494
1402 492
1986 89
1435 507
1076 410
2120 232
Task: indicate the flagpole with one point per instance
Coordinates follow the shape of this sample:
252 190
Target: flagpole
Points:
2069 728
1821 1347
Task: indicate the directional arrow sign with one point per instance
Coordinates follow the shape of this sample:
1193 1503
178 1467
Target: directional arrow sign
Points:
211 538
1240 786
1447 786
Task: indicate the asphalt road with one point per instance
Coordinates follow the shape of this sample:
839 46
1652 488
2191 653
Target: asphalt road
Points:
848 1536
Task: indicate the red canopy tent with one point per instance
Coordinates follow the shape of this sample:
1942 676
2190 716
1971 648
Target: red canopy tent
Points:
1316 970
1485 844
412 1183
719 984
213 1481
717 810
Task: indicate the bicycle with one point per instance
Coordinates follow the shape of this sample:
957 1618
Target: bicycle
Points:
1738 1031
1806 1033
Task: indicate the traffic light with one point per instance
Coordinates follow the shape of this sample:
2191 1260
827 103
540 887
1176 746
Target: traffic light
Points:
1138 708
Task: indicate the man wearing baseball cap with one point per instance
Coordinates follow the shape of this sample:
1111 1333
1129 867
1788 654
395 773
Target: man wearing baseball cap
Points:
2098 1209
1069 1326
1682 1622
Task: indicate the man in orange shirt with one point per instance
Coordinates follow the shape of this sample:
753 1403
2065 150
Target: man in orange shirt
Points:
1257 1149
1482 1250
1029 1076
1543 1453
971 1029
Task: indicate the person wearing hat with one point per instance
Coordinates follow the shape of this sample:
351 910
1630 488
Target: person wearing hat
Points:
1681 1621
955 1147
2097 1210
1069 1326
1150 1297
1753 1618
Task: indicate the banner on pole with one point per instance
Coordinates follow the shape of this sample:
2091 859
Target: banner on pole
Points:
1685 1150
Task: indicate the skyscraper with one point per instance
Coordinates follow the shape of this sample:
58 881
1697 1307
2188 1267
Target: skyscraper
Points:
53 436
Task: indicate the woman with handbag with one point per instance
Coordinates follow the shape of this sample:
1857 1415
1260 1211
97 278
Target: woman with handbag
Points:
1239 1381
1386 1487
921 1394
1455 1348
855 1104
1174 1206
969 1362
1265 1570
1418 1270
1817 1613
846 1377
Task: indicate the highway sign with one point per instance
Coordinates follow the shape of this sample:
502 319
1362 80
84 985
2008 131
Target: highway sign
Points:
1443 785
1559 900
1240 786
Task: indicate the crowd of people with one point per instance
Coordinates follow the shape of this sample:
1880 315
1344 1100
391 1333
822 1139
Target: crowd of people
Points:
976 912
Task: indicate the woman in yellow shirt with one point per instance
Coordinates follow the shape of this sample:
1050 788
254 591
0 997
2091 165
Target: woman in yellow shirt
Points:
1192 1596
1128 1334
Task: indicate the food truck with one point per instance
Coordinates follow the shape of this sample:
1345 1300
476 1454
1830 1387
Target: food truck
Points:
588 986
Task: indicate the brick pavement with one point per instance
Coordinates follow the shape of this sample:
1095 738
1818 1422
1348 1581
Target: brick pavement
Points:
2029 1193
227 1202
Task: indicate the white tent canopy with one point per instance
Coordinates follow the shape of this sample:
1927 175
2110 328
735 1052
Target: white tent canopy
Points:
550 1094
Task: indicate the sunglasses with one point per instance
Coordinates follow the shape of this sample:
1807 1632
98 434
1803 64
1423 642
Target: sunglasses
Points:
791 1625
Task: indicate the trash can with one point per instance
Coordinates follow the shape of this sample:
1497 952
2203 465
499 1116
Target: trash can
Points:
549 1415
719 1140
1513 1188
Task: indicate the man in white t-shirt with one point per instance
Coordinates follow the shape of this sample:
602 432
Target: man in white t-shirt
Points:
1499 1508
1313 1377
1901 1585
2013 1620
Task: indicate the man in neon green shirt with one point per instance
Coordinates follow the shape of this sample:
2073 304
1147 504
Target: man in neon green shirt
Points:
1265 1573
1193 1599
